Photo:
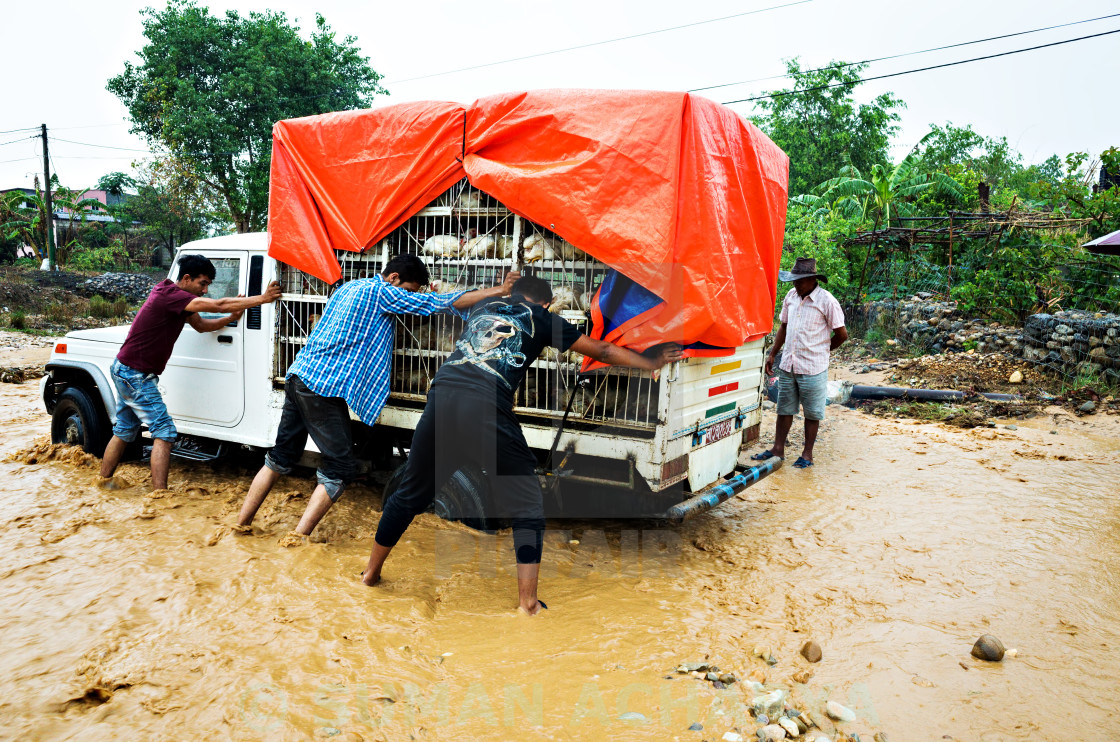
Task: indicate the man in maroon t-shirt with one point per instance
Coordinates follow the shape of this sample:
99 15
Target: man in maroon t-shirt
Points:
147 348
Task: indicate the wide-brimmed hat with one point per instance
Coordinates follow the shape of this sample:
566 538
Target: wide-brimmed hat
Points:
803 268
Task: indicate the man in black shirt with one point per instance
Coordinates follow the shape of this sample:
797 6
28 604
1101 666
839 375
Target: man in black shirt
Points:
469 419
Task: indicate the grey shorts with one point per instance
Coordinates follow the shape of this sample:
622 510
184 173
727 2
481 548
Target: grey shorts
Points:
802 390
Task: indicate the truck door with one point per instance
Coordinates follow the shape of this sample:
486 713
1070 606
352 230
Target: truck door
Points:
205 377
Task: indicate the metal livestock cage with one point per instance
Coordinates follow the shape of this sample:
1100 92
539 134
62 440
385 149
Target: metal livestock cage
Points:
660 430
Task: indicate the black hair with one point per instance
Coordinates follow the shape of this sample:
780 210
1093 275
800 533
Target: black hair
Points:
409 268
534 289
195 266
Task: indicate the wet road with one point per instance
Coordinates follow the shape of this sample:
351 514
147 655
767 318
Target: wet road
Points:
126 613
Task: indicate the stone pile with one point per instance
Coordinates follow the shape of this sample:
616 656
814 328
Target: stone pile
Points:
1075 341
774 712
939 326
132 286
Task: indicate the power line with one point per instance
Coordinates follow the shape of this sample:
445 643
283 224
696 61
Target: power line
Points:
88 126
100 146
598 43
13 141
910 54
784 93
13 131
107 157
132 149
21 159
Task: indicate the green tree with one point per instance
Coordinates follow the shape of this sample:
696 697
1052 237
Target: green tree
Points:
992 159
1078 195
173 204
884 197
818 121
115 183
208 90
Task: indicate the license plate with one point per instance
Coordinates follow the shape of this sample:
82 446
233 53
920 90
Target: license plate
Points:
719 431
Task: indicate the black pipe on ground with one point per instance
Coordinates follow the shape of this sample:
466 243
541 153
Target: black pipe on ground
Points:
860 391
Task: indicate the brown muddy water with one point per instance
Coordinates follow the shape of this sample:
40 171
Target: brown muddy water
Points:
131 614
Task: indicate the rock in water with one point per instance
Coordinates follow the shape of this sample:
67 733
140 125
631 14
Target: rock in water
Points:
633 716
732 737
839 713
695 727
790 726
811 651
770 733
1015 378
770 704
1088 407
988 648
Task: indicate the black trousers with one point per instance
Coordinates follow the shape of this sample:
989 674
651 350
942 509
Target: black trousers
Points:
462 427
327 420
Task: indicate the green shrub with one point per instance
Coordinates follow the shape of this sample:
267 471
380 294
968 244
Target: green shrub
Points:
100 307
120 307
28 262
59 312
106 258
807 237
18 320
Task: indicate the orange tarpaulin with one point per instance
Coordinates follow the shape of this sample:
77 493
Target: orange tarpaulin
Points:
674 191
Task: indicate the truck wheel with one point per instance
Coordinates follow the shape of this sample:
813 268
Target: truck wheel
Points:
463 499
78 421
394 482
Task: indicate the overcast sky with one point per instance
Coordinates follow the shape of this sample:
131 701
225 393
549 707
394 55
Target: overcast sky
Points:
1056 100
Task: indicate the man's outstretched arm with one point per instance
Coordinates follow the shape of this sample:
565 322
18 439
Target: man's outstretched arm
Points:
614 355
234 303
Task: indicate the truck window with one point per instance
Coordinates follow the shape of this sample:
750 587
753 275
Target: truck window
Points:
227 281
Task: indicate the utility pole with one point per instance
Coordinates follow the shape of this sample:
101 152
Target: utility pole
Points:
50 202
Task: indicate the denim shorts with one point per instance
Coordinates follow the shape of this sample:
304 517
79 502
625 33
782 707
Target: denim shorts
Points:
802 390
139 403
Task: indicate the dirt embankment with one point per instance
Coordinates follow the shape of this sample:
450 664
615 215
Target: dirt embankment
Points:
53 303
36 307
974 374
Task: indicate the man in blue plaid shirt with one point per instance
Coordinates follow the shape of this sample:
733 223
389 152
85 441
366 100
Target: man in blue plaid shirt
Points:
346 365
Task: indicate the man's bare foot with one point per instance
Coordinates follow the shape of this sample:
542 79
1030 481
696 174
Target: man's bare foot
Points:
371 578
291 539
242 530
532 610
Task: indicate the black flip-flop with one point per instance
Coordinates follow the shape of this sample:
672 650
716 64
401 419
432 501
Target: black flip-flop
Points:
542 604
802 463
767 454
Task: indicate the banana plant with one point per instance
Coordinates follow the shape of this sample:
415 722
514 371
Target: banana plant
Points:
884 196
78 209
24 223
28 222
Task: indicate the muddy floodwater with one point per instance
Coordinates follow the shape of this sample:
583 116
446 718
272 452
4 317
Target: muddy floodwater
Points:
127 614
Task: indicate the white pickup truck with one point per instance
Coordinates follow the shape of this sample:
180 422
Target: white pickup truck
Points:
671 441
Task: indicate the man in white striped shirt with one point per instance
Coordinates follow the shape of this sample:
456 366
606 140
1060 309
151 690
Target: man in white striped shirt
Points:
346 365
812 327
